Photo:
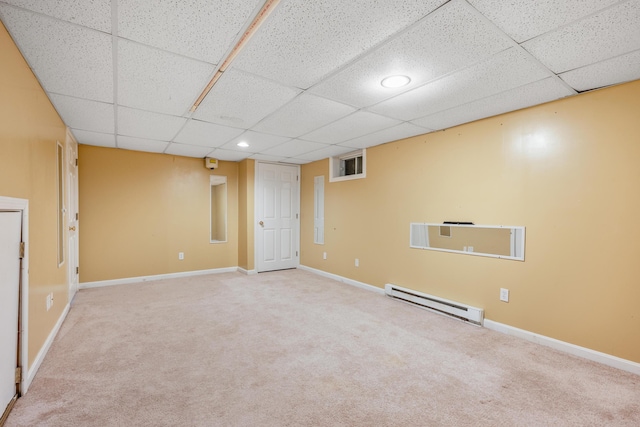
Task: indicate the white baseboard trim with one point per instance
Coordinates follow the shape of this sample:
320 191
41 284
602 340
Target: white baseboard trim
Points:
345 280
33 369
101 283
586 353
247 272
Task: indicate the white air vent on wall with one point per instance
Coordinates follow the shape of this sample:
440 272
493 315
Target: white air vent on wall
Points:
436 304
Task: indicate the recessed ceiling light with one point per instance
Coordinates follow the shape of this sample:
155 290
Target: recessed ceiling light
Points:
395 81
242 144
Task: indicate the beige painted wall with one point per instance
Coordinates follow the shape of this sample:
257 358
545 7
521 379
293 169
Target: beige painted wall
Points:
246 183
138 210
496 241
29 129
562 170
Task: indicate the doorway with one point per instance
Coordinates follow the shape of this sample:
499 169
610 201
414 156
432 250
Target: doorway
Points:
73 216
277 216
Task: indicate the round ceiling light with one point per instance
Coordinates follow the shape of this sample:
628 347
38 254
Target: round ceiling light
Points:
395 81
242 144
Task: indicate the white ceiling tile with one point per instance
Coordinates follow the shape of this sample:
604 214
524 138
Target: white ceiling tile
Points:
304 114
325 152
188 150
94 138
294 148
612 71
141 144
83 114
266 158
539 92
523 20
258 142
66 58
401 131
452 37
201 29
295 161
228 155
242 99
357 124
207 134
506 70
610 33
89 13
151 79
145 124
303 41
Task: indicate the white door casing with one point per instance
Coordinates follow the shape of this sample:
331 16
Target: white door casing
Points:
72 218
10 237
277 217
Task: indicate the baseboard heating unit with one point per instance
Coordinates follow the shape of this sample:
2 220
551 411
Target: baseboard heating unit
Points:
436 304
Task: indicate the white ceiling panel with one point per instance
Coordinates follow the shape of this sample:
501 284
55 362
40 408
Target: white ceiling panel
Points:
145 124
151 79
452 37
94 14
326 151
507 70
612 71
201 29
302 115
67 59
94 138
303 41
83 114
610 33
401 131
258 142
228 155
188 150
523 20
206 134
539 92
141 144
294 148
357 124
266 158
242 99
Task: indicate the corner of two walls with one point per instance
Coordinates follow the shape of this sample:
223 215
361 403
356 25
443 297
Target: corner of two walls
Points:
567 170
139 210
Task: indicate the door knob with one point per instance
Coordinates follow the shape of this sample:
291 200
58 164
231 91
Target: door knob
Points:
72 228
261 223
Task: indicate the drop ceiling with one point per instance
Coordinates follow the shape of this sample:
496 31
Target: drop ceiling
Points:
126 73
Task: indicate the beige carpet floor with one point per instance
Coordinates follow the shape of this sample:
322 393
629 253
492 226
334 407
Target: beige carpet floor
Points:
294 349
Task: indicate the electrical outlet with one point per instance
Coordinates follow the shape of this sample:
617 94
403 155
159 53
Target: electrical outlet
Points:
469 248
357 262
181 255
324 255
504 294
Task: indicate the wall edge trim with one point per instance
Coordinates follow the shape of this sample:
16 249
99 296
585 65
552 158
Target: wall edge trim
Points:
33 368
247 272
565 347
342 279
139 279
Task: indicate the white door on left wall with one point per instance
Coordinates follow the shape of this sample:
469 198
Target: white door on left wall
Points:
10 236
73 216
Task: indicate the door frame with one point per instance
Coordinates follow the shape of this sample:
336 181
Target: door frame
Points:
255 211
22 205
73 262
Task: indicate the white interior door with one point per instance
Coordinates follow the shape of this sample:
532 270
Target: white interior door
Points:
10 237
277 214
73 216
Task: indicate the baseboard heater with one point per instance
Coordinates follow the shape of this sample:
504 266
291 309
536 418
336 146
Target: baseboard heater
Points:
436 304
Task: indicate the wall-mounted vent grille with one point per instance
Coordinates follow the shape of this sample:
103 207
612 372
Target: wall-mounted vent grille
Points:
437 305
